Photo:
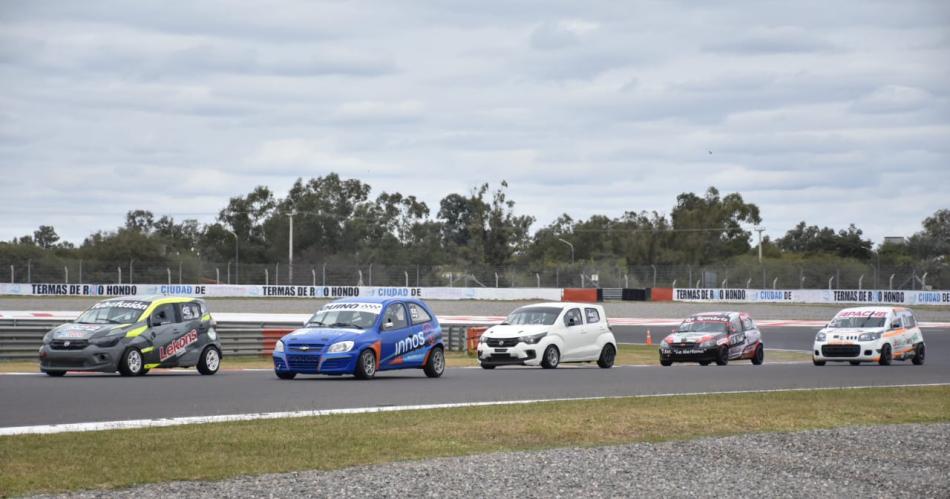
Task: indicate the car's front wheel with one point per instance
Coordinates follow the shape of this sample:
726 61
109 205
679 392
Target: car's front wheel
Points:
855 362
210 361
552 357
666 363
723 357
285 374
817 362
487 366
607 356
436 365
885 359
366 365
55 374
919 354
131 363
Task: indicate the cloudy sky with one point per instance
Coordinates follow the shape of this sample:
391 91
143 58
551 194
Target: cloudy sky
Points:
829 112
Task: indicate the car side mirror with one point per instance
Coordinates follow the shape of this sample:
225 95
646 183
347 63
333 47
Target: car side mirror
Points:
895 325
570 322
388 325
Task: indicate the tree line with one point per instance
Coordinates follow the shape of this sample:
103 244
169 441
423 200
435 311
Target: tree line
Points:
336 220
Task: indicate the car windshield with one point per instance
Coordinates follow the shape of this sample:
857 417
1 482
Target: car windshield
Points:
856 320
346 315
545 316
113 312
693 326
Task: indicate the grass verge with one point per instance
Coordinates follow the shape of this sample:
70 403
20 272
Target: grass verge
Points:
109 459
629 355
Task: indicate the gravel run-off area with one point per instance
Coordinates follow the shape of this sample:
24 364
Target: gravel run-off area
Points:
650 310
874 461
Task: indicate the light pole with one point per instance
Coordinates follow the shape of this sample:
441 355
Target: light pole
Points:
237 264
760 230
572 249
290 249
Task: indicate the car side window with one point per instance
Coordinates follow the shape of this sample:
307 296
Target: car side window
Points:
910 320
190 312
395 314
418 314
747 324
164 314
736 324
573 317
593 316
896 322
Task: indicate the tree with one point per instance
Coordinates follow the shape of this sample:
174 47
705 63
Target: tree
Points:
812 240
709 228
45 237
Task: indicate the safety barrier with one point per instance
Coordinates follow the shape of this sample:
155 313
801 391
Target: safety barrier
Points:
21 338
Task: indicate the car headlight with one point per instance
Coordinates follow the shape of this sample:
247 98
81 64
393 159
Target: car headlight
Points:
708 344
343 346
483 338
107 341
279 346
47 337
664 345
869 337
533 339
820 337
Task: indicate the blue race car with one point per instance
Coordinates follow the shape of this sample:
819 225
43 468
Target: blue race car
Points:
360 336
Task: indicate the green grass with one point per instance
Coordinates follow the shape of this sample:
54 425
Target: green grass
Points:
109 459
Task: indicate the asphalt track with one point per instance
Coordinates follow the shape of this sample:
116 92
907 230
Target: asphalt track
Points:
37 399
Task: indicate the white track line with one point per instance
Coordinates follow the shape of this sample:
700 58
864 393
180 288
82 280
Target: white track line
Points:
157 423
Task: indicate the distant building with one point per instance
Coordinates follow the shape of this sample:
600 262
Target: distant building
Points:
894 240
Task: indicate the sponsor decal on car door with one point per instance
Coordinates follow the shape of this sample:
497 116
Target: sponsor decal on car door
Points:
398 338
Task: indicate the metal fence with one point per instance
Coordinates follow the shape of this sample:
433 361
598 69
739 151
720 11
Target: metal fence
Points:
778 274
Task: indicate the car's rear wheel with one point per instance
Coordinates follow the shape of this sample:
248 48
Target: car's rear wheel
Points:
855 362
366 365
131 363
886 355
285 374
552 357
55 374
723 357
920 352
817 362
436 365
210 361
607 356
759 356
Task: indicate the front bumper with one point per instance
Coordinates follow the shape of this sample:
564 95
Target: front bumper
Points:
861 351
694 354
316 363
522 354
92 358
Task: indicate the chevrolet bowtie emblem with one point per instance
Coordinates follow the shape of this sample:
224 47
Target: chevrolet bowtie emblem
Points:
305 348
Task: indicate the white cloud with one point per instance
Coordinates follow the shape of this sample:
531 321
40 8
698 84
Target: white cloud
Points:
585 108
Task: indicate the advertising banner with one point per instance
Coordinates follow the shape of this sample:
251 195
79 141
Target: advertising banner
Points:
257 291
829 296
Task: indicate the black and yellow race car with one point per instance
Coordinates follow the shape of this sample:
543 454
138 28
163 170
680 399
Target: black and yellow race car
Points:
132 335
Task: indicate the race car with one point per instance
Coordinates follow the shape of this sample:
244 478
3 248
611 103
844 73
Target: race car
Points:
132 335
548 334
361 336
714 337
870 334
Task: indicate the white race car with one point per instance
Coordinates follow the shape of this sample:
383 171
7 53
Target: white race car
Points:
870 334
548 334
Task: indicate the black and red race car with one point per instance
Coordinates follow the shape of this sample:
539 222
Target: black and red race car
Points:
714 337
